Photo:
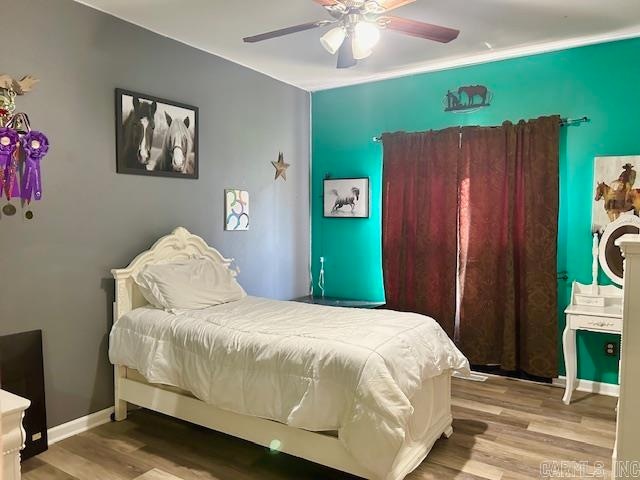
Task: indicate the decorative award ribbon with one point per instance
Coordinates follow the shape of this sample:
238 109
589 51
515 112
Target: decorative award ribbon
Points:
9 141
35 146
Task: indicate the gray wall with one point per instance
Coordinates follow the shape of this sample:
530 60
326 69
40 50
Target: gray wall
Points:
54 270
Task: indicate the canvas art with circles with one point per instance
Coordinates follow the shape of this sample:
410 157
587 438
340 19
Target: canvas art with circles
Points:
236 207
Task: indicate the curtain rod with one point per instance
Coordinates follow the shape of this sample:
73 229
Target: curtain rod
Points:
564 122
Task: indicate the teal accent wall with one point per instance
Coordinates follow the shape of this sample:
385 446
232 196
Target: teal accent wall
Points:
600 81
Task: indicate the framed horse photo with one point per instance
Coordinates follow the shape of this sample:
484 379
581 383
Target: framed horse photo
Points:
346 197
155 136
615 189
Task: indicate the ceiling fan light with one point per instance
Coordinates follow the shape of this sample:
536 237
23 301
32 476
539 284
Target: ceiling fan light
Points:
332 40
360 53
367 35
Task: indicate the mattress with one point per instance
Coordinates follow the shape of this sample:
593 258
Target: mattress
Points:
313 367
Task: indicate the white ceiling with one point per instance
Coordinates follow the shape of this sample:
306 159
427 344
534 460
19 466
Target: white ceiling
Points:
491 29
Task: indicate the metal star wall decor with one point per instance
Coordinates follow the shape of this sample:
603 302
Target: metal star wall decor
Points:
281 167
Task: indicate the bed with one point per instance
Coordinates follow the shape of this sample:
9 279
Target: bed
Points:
365 392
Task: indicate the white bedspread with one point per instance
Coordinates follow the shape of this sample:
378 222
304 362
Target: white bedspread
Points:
312 367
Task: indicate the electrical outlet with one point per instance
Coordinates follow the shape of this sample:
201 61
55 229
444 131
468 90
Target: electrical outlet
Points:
611 349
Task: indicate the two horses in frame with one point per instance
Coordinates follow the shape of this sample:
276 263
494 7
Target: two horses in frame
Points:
156 136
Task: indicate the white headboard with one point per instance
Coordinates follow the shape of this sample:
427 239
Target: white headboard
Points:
180 244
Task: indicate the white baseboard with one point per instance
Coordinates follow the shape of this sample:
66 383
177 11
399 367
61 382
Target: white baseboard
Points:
79 425
588 386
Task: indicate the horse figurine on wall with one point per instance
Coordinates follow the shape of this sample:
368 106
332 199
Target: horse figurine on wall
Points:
19 87
177 147
9 89
138 134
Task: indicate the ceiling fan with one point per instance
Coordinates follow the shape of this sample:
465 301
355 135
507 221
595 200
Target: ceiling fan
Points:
357 25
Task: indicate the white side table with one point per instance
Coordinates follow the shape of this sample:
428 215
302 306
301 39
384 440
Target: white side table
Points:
12 410
603 319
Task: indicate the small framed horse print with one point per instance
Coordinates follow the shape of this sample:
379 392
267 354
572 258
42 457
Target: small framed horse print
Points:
346 197
155 136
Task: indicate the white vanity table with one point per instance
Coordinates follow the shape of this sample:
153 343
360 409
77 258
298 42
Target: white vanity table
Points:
594 307
603 319
12 435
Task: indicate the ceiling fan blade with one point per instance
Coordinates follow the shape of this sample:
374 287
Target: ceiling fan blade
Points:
421 29
286 31
389 5
326 3
345 54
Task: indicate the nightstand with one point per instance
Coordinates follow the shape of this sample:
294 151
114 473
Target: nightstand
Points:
339 302
12 409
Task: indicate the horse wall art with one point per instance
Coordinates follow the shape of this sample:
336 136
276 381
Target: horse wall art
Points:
346 197
469 98
155 136
138 131
177 147
614 190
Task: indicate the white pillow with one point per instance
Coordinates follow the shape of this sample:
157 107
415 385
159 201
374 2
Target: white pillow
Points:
188 284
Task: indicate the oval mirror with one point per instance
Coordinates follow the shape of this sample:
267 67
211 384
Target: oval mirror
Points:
610 255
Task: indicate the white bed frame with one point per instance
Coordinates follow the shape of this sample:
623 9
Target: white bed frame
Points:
433 415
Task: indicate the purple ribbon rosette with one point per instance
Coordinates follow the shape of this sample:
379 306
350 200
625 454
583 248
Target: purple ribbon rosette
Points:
35 146
9 141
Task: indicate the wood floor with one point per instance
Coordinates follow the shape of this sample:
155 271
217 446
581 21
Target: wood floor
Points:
503 429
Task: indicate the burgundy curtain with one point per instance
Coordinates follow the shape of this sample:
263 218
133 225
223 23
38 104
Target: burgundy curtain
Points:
490 202
419 237
508 217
